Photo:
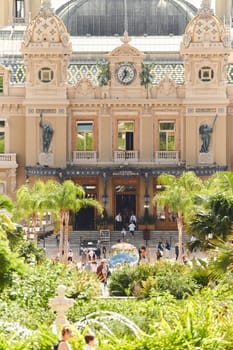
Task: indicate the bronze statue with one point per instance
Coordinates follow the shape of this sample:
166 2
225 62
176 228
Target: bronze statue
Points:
205 131
47 134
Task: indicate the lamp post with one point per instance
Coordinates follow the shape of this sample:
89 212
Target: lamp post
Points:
104 197
146 232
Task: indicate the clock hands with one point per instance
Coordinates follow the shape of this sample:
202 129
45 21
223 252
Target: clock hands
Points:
124 74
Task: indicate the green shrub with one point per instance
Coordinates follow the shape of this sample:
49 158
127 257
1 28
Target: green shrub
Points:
200 275
122 281
142 280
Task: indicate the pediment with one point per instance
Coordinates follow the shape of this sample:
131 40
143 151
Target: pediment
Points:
125 50
84 88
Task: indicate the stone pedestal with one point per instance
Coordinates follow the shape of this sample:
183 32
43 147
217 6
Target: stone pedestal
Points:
46 159
205 158
60 304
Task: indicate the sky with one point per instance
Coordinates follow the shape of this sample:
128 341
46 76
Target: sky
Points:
57 3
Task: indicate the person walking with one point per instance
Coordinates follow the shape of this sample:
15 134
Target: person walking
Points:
123 234
132 229
90 341
66 334
102 274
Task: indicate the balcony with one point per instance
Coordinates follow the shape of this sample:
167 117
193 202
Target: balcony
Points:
126 156
166 157
8 160
82 157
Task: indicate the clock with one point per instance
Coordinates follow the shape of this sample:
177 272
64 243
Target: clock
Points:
125 73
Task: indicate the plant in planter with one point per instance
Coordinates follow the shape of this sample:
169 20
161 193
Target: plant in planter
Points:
147 221
104 220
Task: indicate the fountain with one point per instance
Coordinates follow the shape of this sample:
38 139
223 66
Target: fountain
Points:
101 318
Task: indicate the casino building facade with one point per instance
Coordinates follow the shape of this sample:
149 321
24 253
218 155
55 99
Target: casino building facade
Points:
113 93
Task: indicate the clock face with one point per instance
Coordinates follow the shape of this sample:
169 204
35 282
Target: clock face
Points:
125 73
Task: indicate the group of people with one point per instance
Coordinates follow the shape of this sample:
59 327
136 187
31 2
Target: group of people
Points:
66 334
130 223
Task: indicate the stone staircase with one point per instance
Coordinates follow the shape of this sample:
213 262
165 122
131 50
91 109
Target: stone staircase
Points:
75 238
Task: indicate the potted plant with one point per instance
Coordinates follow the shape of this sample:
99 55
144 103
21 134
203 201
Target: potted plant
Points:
104 221
147 221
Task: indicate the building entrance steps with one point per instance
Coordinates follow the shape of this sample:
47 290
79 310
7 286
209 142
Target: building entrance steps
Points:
75 238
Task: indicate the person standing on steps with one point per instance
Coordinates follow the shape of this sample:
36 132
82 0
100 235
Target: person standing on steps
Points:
132 229
118 222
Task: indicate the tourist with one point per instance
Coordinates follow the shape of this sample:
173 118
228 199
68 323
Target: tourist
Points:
177 251
90 341
160 246
132 229
58 239
70 255
66 334
104 252
101 272
167 249
159 254
123 234
118 222
133 219
142 254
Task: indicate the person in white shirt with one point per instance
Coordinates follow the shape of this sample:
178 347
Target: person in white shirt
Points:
118 221
132 229
133 219
123 234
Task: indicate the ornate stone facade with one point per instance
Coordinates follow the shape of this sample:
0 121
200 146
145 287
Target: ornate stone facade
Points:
115 139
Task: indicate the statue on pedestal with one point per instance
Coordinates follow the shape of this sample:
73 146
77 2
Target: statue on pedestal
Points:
47 134
205 131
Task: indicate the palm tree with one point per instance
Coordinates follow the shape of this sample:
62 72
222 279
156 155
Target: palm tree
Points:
177 196
30 203
222 182
6 206
214 216
63 198
214 208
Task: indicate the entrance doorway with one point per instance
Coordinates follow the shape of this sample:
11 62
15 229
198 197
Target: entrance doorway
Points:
125 197
85 219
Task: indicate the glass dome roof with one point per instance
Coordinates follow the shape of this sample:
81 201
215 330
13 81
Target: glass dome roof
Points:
144 17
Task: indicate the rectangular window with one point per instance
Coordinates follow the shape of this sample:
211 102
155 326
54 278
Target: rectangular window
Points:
1 83
2 142
19 8
84 136
167 136
125 136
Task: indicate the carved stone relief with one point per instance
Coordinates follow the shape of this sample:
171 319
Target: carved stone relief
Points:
84 89
166 88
